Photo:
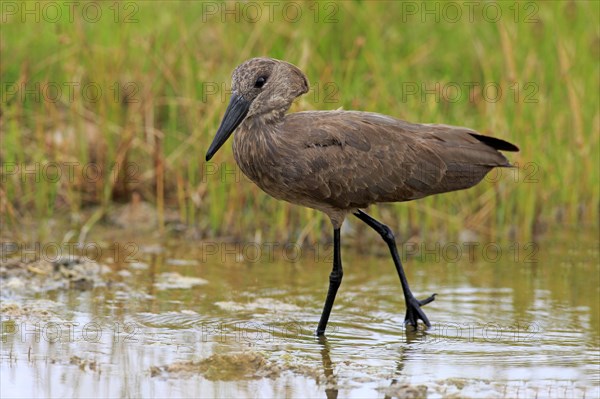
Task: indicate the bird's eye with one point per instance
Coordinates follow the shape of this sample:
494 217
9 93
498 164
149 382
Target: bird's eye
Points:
260 82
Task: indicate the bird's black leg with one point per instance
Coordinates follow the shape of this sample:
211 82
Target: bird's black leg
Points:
335 279
413 305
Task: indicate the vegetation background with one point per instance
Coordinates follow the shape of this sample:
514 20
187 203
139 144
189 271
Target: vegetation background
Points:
112 103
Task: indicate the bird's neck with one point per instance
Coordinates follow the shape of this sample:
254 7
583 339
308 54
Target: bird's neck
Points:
259 131
262 129
258 137
255 147
271 118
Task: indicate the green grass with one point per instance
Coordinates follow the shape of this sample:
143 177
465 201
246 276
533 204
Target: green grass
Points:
158 109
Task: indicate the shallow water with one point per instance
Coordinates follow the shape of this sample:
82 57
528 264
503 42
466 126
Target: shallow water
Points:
511 320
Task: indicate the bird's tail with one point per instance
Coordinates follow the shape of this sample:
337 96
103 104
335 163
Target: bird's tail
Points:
497 144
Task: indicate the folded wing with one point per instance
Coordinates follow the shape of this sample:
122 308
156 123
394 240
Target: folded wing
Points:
353 159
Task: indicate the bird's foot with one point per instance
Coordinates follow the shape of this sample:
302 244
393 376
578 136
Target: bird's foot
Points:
414 311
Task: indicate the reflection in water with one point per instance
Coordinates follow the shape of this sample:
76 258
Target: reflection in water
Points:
516 328
397 388
331 387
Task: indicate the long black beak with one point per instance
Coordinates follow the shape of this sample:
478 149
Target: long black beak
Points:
234 115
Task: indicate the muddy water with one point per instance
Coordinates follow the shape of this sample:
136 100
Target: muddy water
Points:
237 320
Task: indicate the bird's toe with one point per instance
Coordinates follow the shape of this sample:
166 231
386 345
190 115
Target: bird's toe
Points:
414 311
427 300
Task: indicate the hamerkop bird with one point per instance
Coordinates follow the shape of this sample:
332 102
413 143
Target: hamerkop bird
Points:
340 162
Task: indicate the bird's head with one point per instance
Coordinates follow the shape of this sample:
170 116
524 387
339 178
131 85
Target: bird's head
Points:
261 88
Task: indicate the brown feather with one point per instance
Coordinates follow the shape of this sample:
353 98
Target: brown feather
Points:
339 161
